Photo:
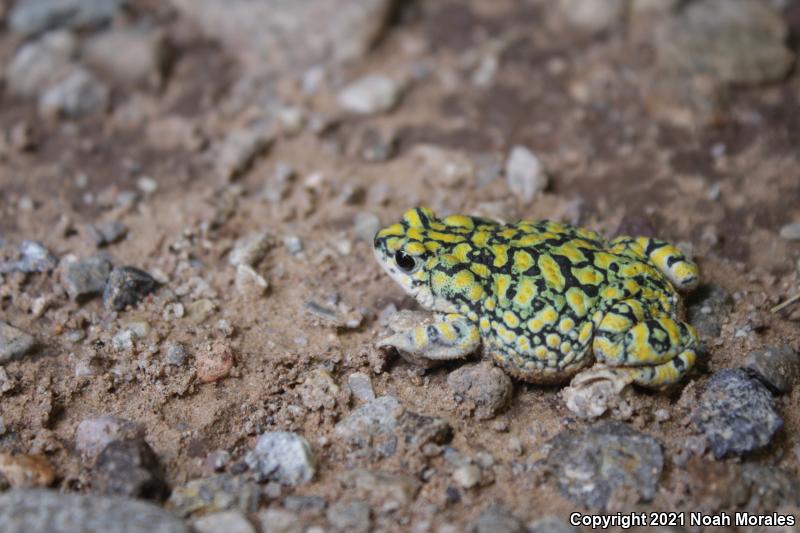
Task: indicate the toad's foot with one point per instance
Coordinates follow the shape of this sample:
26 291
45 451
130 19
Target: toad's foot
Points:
451 337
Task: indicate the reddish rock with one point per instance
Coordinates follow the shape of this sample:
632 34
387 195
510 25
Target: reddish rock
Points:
215 363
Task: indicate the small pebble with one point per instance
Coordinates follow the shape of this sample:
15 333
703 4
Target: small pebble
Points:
249 282
293 244
467 476
250 250
282 456
227 521
94 434
214 363
176 354
791 232
14 343
369 95
26 471
484 386
361 386
524 174
33 257
349 516
127 286
85 278
129 468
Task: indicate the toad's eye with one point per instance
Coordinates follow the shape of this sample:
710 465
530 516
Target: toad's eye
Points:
405 262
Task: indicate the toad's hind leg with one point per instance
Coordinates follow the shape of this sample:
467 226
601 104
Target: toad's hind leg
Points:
679 269
451 337
655 351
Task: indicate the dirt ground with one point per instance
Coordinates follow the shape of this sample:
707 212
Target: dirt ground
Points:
619 158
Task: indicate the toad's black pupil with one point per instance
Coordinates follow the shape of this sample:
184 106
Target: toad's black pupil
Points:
404 261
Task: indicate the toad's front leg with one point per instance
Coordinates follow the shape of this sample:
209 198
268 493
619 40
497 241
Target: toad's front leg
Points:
452 336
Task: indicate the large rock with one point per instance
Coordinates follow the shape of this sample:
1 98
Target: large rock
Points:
25 511
604 462
736 413
273 35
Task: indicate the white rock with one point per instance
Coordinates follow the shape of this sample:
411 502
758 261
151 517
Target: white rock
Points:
467 476
249 282
791 232
40 64
251 249
593 15
371 94
524 174
282 456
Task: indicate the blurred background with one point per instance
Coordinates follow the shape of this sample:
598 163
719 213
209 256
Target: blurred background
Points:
242 153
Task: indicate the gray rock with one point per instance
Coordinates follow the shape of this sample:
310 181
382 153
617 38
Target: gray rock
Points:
85 278
127 286
106 233
373 418
14 343
594 464
40 64
227 521
282 456
550 524
778 367
278 36
176 354
94 434
131 55
35 16
370 95
352 516
497 519
770 488
279 521
212 494
129 468
24 511
707 308
361 386
484 387
736 413
33 257
524 174
77 94
791 232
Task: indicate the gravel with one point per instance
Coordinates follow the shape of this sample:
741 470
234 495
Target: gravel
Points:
778 367
467 476
85 278
524 174
135 55
282 456
24 511
593 15
129 468
214 363
370 95
14 343
221 492
41 63
736 414
105 233
384 491
361 386
551 524
251 249
241 147
373 418
485 389
593 465
279 521
127 286
35 16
